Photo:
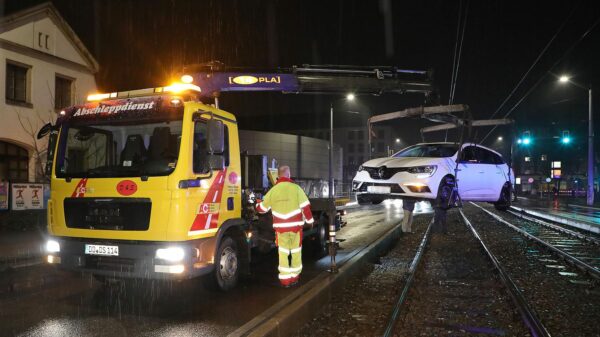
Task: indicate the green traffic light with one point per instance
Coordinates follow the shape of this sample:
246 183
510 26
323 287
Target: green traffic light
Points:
526 141
566 140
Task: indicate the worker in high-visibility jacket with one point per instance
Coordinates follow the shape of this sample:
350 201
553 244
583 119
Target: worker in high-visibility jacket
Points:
290 209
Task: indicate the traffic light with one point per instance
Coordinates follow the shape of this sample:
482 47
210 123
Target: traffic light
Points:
566 137
526 139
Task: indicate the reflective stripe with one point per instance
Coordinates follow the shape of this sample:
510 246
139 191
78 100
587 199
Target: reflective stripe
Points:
304 204
287 276
296 250
290 270
312 220
283 250
286 215
288 224
331 233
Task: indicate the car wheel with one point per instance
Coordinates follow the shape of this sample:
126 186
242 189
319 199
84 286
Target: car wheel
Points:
446 196
503 202
226 273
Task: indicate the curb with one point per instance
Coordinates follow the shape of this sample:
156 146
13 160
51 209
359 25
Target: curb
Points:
289 314
565 221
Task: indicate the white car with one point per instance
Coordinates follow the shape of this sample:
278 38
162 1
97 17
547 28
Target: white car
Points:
429 171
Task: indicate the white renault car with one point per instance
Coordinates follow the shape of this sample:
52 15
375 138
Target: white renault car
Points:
431 171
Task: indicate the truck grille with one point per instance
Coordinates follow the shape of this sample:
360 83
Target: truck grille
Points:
111 263
129 214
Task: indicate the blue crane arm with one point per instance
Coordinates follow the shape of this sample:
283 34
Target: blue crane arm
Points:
215 78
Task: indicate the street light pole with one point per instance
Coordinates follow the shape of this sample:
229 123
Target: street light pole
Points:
590 168
331 229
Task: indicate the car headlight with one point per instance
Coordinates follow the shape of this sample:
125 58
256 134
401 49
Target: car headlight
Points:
52 246
172 254
360 168
428 170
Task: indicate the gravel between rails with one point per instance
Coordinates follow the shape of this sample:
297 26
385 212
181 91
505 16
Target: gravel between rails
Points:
457 292
362 306
567 301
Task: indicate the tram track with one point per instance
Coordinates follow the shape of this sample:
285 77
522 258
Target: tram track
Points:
578 249
458 291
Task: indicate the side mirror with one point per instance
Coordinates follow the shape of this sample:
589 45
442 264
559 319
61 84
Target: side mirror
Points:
216 136
45 130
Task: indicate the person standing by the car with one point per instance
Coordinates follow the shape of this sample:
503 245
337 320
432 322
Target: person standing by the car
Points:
290 209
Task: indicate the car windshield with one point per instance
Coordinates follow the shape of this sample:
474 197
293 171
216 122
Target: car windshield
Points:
428 150
118 148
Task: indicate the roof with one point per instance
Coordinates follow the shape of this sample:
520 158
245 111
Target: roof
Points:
47 9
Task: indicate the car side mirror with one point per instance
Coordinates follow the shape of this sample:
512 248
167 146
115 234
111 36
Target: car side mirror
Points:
216 136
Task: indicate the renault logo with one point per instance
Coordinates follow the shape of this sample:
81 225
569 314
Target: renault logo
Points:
381 172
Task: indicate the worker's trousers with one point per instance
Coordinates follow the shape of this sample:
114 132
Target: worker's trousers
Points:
289 243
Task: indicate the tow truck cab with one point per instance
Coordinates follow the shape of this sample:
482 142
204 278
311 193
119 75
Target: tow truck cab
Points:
147 187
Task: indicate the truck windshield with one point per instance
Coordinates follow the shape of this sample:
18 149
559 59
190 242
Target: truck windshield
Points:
428 150
118 149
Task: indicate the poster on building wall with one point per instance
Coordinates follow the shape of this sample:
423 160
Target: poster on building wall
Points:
27 196
3 195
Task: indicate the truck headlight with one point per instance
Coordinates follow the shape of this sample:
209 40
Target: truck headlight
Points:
428 170
52 246
171 254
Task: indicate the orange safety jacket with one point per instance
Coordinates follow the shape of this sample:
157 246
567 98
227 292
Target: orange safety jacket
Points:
288 204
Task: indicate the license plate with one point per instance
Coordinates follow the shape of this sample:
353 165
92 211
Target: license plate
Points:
102 250
379 189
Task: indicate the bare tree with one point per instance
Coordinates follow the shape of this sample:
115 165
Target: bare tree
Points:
40 146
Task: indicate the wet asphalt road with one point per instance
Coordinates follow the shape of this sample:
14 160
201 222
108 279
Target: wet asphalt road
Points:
77 305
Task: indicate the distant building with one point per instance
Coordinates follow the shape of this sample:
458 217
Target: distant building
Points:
547 162
43 67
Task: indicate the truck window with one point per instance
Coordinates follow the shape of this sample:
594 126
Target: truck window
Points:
200 157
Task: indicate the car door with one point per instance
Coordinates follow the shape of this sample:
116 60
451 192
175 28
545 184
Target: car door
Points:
493 177
470 174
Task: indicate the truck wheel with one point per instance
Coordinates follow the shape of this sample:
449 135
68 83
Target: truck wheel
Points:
503 202
320 242
226 273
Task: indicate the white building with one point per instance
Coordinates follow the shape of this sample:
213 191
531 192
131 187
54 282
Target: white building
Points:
43 68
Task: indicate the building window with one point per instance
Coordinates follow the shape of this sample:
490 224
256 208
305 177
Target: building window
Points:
62 93
351 134
351 160
544 157
381 134
16 83
351 148
14 162
360 135
527 159
360 147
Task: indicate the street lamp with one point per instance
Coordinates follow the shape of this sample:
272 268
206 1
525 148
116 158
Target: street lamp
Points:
332 215
590 168
500 138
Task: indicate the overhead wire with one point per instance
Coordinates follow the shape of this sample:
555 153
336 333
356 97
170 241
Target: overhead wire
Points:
558 31
457 53
567 52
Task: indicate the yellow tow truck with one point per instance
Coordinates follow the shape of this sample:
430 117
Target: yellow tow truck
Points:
148 184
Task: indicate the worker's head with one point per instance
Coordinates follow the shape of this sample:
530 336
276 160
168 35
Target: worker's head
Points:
284 171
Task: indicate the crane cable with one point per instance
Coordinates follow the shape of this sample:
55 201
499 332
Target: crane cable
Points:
581 38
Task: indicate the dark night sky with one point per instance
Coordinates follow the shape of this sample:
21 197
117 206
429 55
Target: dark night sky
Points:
142 43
